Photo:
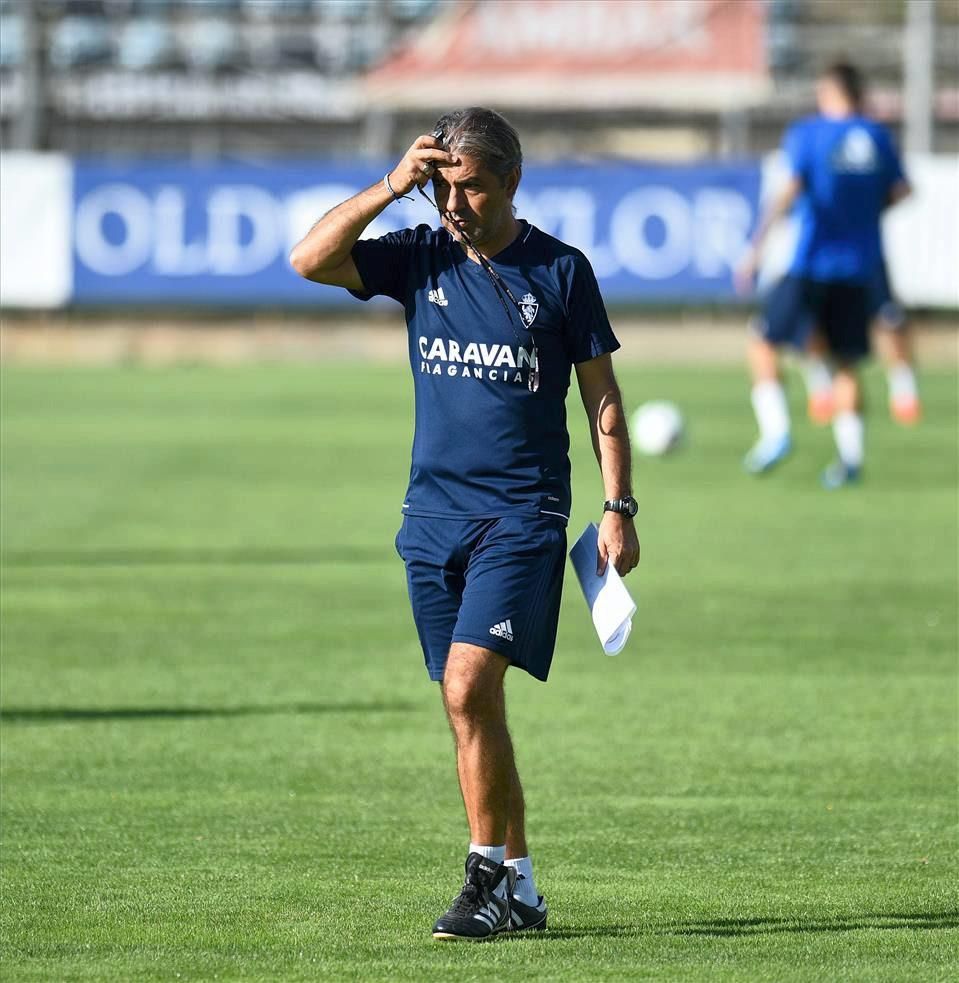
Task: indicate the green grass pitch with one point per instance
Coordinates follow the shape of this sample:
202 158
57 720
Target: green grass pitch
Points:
222 758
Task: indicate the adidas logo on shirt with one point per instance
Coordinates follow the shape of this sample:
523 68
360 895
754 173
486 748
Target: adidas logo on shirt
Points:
438 297
503 630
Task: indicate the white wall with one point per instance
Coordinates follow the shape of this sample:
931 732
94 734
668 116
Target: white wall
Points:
36 249
921 235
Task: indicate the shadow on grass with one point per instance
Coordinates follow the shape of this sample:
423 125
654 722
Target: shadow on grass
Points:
912 921
909 921
197 557
592 932
14 715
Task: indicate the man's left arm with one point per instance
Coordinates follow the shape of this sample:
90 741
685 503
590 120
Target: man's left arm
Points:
898 184
898 192
609 431
744 276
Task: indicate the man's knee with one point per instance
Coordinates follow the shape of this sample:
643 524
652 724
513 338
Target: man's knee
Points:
473 682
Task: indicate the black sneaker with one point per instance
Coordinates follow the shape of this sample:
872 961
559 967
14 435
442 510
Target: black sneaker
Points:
527 917
482 908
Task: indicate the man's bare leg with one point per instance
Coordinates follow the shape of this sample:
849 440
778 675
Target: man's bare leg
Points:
516 820
763 360
476 710
492 792
517 857
895 347
769 404
847 428
818 378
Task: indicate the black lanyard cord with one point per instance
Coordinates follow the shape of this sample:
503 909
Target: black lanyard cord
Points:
500 287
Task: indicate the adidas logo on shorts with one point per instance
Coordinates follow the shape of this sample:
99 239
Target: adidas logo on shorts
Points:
503 630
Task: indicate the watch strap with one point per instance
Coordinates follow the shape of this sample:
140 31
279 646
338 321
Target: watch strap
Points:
627 505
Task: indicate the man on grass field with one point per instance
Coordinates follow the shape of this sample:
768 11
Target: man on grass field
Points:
498 313
844 173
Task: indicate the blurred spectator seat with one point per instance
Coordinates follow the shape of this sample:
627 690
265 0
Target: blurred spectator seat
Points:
363 50
408 11
211 7
278 8
349 10
12 41
147 44
297 51
82 8
333 41
212 45
153 8
782 39
76 42
275 45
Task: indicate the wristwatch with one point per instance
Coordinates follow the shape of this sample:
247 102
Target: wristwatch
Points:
624 506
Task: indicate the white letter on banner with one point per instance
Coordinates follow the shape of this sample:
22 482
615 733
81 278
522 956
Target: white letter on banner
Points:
303 208
628 233
570 215
227 204
722 219
134 209
172 254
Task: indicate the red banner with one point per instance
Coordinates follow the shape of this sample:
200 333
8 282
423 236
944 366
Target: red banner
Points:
568 41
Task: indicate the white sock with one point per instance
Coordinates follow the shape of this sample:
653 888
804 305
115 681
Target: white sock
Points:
847 428
817 376
772 413
902 382
525 888
495 853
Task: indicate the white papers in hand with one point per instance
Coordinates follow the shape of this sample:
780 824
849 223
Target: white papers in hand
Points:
607 598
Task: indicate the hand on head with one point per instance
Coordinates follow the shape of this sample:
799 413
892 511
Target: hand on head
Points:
418 164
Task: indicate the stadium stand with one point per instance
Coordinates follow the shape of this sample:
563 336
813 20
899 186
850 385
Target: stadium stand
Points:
78 42
242 77
148 44
12 41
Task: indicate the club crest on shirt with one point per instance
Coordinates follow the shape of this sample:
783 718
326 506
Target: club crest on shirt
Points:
529 308
856 154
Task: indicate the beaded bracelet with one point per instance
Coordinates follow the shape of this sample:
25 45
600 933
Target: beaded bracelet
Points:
389 187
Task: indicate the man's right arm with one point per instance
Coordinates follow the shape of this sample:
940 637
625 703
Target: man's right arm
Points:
795 145
898 192
899 187
323 255
778 208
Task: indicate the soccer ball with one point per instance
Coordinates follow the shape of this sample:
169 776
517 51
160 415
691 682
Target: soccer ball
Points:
656 428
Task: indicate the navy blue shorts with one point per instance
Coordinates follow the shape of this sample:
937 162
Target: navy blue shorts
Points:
839 310
882 304
496 583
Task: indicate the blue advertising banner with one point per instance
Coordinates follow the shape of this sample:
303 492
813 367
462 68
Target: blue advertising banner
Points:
178 233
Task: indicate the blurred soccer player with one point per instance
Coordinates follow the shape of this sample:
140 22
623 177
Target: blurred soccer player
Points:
498 314
891 325
844 171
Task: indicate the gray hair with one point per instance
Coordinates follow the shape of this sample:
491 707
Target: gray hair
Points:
484 134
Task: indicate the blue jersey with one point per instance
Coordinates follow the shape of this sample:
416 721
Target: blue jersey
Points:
847 168
484 445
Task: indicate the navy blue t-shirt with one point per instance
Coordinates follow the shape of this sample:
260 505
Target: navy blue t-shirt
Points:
483 444
847 168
